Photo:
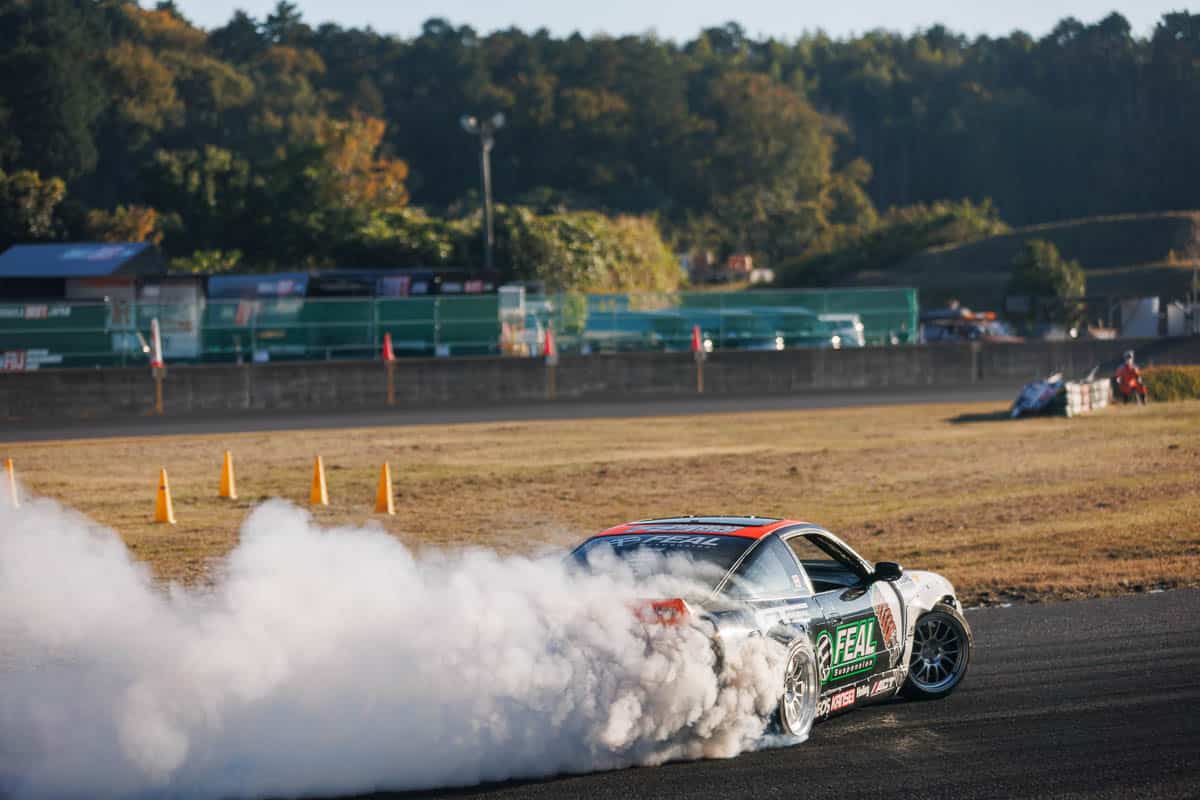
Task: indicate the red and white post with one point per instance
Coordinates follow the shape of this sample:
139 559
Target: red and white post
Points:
389 363
699 354
550 353
158 367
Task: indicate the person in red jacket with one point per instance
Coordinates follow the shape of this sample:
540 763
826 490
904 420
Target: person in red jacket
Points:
1129 381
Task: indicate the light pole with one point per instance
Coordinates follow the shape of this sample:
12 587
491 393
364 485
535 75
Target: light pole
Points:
486 131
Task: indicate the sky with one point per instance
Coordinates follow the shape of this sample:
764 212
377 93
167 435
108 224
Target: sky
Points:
683 19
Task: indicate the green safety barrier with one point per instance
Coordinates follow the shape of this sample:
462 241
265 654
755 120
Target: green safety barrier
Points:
104 334
60 334
738 320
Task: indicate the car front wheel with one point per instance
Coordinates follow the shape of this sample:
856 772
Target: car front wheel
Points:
941 653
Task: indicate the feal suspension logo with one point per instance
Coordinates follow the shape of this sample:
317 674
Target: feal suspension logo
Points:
850 650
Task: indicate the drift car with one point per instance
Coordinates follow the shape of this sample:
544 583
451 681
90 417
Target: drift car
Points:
856 632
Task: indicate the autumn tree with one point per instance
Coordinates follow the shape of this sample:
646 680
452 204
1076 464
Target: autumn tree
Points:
27 207
126 224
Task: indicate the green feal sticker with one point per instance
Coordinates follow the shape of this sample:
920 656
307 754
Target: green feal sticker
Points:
851 650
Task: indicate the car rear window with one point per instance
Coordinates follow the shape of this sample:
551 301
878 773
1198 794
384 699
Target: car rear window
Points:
704 557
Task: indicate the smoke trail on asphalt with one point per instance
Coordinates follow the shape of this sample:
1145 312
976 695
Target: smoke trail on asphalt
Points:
335 661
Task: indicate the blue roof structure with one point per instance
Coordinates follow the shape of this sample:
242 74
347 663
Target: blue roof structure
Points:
276 284
82 260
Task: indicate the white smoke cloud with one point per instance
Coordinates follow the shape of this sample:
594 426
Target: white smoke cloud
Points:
336 661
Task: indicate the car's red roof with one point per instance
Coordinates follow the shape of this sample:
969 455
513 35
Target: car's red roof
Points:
746 527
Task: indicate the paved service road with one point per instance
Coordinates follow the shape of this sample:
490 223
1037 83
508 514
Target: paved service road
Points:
233 422
1095 698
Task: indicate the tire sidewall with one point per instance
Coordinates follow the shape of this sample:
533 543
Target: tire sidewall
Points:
914 692
801 648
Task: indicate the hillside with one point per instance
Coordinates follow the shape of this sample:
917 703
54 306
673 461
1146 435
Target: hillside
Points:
1132 254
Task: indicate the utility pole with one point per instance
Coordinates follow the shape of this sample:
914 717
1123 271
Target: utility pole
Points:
486 131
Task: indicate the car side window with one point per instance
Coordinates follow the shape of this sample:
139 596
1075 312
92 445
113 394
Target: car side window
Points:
769 570
827 570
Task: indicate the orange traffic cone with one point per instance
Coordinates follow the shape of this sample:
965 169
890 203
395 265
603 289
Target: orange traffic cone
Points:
12 483
319 496
228 485
388 353
697 344
385 500
164 511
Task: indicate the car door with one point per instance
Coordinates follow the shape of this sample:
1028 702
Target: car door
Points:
858 639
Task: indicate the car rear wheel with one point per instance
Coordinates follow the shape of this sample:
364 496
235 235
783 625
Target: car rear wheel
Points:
798 705
941 653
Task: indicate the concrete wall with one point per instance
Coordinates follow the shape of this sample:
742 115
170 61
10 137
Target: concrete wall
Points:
83 394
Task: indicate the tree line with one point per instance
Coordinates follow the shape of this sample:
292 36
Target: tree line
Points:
273 143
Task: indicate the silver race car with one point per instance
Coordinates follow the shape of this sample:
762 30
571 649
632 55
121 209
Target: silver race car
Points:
856 632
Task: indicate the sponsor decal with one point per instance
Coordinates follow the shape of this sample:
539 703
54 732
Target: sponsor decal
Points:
781 614
863 690
26 360
823 707
824 656
39 311
887 625
34 311
841 700
683 528
851 649
663 541
883 686
14 361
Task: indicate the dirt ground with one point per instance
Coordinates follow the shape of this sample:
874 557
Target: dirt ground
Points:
1030 509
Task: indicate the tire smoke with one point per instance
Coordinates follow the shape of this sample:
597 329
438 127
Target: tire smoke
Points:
333 661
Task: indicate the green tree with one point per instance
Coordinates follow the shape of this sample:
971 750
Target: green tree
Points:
586 251
1040 272
49 83
207 262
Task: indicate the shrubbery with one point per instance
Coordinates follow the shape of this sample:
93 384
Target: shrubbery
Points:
585 251
579 251
898 234
1172 383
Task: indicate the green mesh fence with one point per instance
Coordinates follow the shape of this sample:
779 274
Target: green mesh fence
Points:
58 334
758 320
103 334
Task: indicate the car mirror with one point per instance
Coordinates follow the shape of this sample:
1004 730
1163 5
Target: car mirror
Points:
888 571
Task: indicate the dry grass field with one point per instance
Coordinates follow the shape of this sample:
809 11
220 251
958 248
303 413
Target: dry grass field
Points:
1032 509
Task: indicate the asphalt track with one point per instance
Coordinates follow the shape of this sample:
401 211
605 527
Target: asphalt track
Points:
1087 699
236 422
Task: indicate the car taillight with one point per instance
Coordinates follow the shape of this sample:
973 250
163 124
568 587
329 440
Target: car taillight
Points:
662 612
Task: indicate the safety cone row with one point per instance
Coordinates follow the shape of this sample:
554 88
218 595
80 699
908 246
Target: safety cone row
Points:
164 509
11 476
